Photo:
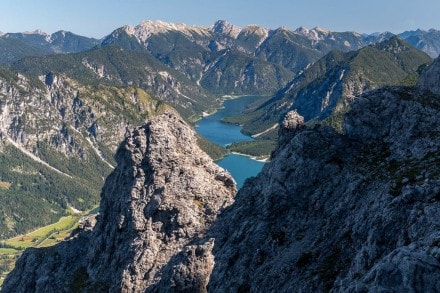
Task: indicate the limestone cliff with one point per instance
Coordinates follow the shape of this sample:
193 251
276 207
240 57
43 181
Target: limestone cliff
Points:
353 212
430 78
162 197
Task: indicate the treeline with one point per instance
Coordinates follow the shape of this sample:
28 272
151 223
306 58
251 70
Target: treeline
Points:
215 151
38 196
256 148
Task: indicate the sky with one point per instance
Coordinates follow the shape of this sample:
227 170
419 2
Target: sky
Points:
98 18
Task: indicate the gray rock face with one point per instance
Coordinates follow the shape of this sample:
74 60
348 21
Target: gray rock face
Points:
353 212
430 78
293 120
161 198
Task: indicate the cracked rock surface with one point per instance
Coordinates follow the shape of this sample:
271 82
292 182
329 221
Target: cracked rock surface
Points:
161 198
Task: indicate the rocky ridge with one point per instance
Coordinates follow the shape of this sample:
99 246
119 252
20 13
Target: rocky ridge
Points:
430 79
187 66
427 41
352 212
155 209
226 59
325 89
15 46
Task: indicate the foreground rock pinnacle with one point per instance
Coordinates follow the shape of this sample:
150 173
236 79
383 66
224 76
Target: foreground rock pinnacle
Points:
161 198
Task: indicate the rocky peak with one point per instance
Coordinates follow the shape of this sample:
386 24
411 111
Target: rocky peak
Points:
146 29
429 79
161 198
393 45
293 120
256 30
315 34
292 123
224 27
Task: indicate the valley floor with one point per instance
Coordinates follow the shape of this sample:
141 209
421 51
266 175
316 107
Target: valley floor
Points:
11 249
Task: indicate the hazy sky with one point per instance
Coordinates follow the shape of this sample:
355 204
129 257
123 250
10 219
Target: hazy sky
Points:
97 18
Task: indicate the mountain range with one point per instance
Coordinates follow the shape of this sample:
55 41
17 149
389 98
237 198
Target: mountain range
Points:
326 88
66 100
14 46
349 211
195 63
203 53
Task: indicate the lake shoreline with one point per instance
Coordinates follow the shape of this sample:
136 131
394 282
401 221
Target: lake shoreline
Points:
265 160
222 100
211 127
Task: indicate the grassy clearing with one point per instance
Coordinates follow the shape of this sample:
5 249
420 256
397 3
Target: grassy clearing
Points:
8 251
42 237
57 237
21 242
35 238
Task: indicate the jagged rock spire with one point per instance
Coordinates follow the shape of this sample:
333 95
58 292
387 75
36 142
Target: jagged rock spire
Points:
163 195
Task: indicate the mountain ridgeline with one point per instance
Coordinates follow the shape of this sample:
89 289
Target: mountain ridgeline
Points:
325 89
350 211
14 46
191 66
66 100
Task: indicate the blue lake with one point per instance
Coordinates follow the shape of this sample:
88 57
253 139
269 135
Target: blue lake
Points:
211 127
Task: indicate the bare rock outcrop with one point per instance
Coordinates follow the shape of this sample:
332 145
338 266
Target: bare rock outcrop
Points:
352 212
430 78
155 209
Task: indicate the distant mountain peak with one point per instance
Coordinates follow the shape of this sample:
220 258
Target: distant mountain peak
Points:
321 30
393 45
35 32
61 32
255 29
315 34
224 27
159 26
146 29
130 30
